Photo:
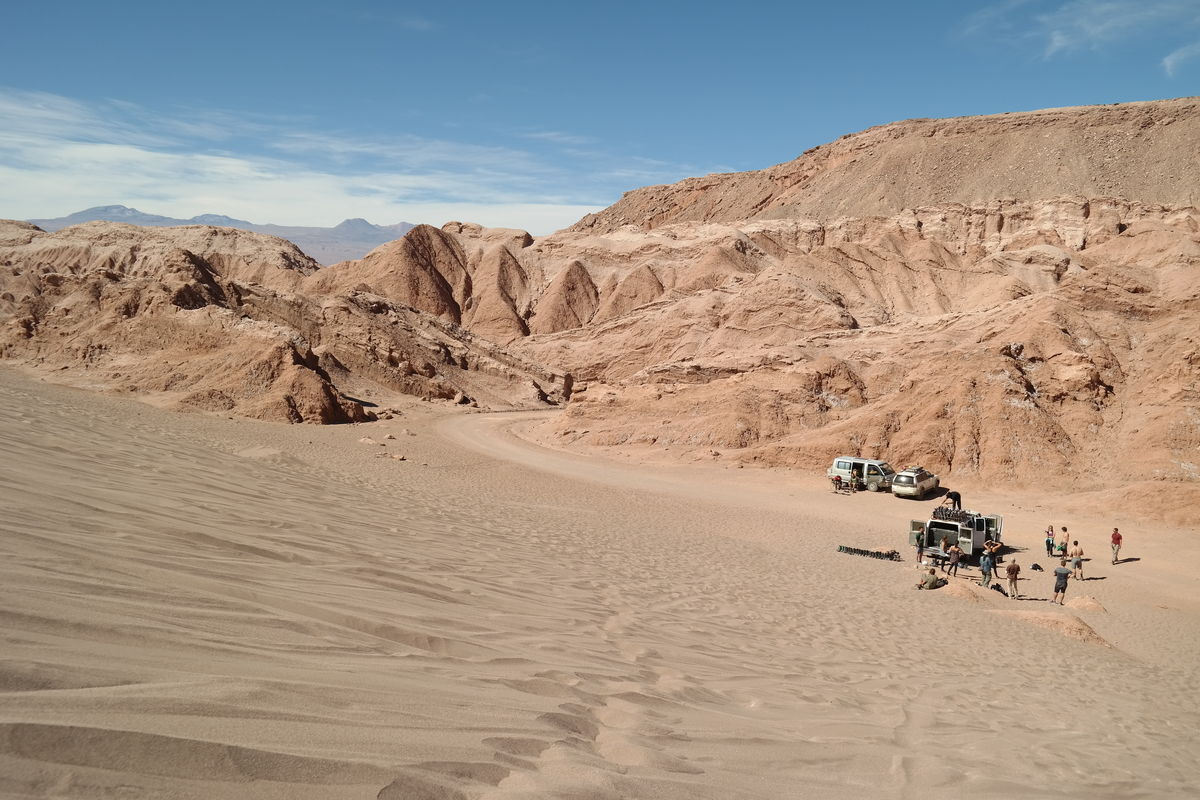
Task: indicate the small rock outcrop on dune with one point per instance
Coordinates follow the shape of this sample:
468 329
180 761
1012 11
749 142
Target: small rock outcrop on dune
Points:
222 320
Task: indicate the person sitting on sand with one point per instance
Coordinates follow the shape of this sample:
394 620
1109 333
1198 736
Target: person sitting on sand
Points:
1013 571
929 581
1061 574
1077 559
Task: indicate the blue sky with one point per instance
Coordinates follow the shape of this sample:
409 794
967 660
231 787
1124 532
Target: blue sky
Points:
522 114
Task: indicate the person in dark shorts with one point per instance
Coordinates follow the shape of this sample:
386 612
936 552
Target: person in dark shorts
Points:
956 555
1061 574
1077 559
954 500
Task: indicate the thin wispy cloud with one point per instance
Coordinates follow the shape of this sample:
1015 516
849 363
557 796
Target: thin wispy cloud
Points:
1095 24
1062 29
59 155
559 137
417 24
1175 59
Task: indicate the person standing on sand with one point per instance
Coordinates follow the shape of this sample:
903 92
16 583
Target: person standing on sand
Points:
1116 545
1077 559
1013 571
955 556
1061 574
1050 542
986 564
1063 541
992 548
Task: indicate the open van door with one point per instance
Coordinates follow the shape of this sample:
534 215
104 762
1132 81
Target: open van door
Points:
916 532
994 526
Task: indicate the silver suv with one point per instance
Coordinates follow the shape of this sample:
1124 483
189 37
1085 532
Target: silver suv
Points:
914 482
871 473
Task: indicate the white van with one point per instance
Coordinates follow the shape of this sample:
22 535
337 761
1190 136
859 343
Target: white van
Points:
873 475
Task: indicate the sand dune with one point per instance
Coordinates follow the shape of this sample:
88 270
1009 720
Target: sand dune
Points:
198 607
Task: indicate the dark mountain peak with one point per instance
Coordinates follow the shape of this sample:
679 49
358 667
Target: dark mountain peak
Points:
352 238
355 225
110 211
219 219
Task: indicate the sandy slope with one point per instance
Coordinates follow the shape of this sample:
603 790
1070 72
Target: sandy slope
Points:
203 608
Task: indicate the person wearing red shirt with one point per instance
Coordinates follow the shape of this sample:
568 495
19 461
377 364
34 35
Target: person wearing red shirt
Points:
1116 545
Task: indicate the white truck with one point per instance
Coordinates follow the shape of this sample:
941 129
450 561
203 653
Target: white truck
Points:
968 529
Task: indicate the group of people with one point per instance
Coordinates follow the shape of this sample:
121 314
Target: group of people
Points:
1074 552
1055 546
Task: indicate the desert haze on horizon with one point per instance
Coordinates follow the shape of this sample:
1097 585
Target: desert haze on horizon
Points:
594 598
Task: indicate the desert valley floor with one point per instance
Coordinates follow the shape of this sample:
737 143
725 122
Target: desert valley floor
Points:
202 607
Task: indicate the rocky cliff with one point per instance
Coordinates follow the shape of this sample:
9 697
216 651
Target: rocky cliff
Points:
222 320
1008 297
1137 151
1013 298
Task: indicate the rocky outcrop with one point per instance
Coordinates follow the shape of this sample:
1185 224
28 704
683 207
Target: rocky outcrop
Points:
570 300
461 273
1140 151
221 320
1014 341
1004 297
351 238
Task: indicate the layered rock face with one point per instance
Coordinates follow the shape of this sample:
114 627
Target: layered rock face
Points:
1137 151
222 320
1012 298
1022 342
1015 340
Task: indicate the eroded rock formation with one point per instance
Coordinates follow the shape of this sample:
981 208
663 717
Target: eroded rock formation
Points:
222 320
1014 297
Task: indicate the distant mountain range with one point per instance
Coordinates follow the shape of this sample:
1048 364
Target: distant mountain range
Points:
352 238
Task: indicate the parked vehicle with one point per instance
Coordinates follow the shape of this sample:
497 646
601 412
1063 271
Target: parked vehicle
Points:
873 475
914 482
968 529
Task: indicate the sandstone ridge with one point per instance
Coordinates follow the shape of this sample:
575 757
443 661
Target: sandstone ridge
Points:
1143 152
221 320
1011 340
1032 312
